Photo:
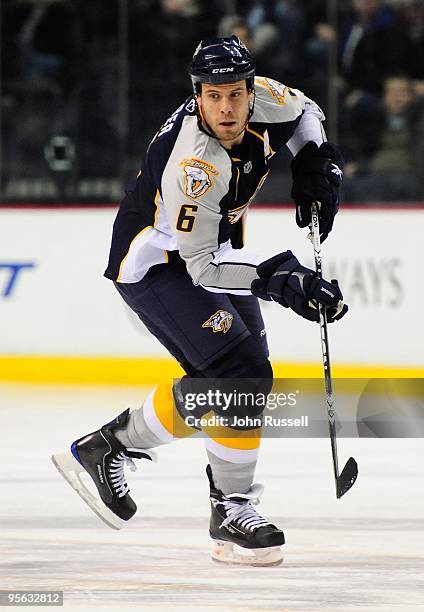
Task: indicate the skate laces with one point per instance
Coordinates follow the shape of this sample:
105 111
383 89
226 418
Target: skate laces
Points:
117 464
116 473
243 512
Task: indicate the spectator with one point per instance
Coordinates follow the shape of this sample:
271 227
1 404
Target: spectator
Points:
61 74
36 51
234 24
277 27
414 19
319 36
264 42
373 45
162 34
387 137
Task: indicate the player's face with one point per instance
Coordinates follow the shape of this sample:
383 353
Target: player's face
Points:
225 110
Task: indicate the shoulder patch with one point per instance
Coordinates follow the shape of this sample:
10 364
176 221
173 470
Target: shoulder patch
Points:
276 89
197 176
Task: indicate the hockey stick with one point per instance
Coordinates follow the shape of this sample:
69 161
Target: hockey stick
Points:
346 479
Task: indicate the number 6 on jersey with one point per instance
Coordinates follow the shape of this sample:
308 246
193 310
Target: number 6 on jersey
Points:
185 222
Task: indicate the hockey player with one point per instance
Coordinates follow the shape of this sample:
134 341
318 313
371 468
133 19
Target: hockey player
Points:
178 261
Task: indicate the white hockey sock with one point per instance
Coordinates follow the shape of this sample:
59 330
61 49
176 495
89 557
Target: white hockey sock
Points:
231 477
232 455
157 422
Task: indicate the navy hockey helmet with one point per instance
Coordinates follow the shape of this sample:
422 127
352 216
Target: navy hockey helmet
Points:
222 60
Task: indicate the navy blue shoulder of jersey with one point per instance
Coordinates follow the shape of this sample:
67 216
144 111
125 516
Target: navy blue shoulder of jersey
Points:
138 208
279 132
160 148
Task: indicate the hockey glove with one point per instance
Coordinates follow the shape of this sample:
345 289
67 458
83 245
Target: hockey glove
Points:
317 177
284 280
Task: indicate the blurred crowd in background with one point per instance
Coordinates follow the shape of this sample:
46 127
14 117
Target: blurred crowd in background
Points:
85 85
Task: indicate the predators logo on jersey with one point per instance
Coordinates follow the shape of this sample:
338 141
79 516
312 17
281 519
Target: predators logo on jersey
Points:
197 177
197 181
220 321
276 89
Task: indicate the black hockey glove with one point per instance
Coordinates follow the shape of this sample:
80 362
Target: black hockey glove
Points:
284 280
317 176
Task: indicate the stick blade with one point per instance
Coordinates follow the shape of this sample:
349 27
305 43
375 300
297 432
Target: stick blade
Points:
347 478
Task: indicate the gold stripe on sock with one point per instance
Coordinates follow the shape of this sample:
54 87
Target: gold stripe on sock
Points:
234 438
168 415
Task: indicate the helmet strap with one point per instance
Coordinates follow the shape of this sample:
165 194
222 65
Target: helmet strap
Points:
201 121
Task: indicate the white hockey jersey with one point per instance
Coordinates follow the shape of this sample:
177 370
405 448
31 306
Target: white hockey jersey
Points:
192 194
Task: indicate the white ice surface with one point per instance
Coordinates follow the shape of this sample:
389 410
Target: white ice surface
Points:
364 552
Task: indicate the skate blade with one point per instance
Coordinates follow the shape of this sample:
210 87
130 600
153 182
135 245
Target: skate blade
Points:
226 552
70 469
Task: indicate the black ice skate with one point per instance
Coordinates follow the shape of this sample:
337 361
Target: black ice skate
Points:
103 457
241 535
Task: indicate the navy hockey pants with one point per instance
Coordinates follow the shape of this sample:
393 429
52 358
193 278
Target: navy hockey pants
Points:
199 328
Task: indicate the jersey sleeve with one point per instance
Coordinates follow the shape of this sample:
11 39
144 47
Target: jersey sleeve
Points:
309 128
193 189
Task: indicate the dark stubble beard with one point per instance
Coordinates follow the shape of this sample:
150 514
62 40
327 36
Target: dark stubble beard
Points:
232 137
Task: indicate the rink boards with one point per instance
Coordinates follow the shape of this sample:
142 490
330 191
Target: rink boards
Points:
61 319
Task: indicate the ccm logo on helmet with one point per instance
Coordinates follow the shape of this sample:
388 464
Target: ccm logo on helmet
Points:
221 70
